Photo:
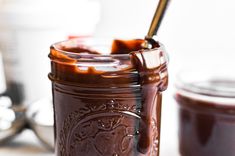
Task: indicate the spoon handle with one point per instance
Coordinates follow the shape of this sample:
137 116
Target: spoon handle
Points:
158 16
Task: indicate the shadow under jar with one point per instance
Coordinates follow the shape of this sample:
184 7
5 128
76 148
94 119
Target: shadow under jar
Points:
206 113
106 104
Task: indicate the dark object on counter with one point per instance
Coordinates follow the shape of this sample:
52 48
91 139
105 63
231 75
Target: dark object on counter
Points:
16 92
206 114
109 104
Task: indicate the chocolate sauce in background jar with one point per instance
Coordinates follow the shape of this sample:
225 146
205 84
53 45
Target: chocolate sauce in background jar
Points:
206 114
107 105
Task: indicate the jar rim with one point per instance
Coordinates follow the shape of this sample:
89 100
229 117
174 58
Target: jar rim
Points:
207 85
63 52
89 40
110 67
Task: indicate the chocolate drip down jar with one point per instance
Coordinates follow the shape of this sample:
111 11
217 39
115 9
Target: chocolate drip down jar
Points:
107 104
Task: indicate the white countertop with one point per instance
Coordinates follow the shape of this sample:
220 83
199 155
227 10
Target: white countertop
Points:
25 144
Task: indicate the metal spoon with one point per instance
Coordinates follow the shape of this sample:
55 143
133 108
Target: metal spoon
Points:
156 22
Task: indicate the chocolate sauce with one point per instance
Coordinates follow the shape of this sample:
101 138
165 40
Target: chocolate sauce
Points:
108 105
207 123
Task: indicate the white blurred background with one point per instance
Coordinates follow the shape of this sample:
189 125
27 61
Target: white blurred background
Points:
196 34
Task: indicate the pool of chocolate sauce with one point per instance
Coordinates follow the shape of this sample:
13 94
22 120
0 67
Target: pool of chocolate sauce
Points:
207 118
107 105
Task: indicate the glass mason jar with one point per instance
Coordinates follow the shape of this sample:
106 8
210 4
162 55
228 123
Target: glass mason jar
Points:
206 113
99 103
